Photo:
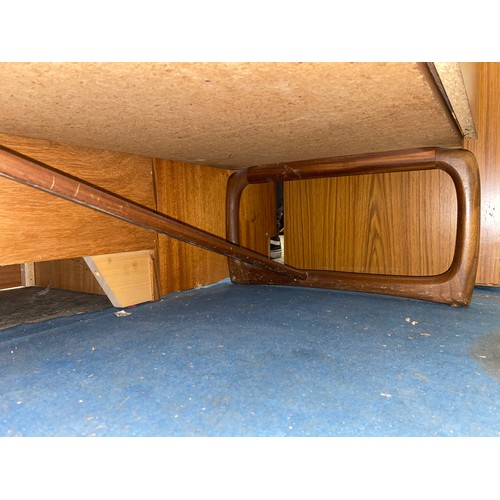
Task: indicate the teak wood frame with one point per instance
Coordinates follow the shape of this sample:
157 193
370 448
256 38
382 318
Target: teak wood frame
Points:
454 286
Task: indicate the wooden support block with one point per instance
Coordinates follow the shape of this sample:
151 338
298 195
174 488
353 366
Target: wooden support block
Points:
28 274
127 278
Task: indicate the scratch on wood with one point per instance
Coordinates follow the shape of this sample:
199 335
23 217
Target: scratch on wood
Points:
292 171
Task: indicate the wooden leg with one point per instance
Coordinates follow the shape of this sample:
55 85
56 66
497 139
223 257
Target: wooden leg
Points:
454 287
19 168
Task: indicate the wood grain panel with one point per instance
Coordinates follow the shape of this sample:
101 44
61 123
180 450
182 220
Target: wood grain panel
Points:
257 217
68 274
196 194
10 276
37 226
399 223
189 193
487 151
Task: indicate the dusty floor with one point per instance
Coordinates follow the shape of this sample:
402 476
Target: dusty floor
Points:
34 304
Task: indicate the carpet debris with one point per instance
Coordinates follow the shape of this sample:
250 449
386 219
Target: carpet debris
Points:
122 313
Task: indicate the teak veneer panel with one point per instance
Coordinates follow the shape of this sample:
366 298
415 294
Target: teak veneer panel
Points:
233 114
400 223
36 226
192 194
196 194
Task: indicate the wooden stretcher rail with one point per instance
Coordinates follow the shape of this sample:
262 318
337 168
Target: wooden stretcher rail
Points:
454 287
29 172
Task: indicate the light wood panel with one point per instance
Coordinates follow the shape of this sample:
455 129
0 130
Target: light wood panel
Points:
196 194
37 226
127 278
400 223
487 151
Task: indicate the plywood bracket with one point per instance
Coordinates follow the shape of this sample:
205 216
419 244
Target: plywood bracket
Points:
127 278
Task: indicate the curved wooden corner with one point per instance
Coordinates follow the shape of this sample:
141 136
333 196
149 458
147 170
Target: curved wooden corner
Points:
460 278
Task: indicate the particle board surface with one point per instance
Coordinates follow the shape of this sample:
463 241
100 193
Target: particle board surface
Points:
227 114
454 85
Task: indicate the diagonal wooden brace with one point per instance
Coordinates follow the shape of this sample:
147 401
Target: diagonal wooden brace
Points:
454 286
32 173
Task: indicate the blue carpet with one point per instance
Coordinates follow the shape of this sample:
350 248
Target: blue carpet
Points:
231 360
